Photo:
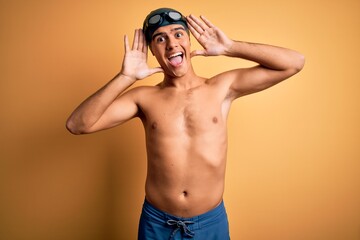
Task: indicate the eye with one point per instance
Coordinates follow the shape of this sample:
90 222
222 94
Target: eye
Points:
179 34
160 39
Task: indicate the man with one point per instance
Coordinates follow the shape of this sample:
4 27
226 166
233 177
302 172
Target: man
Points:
184 118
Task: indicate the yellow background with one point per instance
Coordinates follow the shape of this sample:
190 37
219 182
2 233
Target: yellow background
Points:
293 168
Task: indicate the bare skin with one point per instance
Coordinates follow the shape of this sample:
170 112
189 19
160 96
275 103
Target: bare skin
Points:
185 115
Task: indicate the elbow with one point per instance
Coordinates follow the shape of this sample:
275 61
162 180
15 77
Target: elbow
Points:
299 63
74 128
296 66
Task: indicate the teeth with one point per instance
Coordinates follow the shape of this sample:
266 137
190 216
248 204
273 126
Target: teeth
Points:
175 55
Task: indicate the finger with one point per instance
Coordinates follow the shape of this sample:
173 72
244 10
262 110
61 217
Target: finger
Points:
200 26
194 32
126 43
145 51
136 40
144 43
141 40
207 22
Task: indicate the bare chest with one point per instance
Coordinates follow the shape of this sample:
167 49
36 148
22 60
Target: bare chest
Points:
190 112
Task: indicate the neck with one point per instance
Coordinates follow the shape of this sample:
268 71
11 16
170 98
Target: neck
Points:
187 81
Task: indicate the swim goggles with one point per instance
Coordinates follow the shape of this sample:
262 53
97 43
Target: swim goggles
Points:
162 17
172 16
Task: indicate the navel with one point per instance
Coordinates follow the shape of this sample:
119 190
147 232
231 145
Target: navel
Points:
185 193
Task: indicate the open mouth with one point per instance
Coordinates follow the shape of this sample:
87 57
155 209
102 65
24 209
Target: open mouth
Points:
176 58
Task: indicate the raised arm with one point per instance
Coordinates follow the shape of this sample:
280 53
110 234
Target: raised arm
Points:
275 63
108 106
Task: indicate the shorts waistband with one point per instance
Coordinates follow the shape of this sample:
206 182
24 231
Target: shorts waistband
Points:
208 218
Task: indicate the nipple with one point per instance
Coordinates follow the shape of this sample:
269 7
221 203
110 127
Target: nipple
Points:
215 120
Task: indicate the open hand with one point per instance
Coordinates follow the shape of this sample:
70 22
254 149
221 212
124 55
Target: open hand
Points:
211 38
135 60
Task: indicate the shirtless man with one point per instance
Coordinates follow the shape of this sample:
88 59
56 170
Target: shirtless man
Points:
184 118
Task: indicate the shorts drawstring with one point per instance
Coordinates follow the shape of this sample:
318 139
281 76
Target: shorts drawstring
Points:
180 225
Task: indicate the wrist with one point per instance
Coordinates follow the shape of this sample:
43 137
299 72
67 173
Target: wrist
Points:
229 48
126 77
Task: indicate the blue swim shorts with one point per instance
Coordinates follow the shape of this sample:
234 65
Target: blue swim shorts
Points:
158 225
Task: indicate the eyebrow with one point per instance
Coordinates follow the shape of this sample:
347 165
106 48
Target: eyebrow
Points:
162 33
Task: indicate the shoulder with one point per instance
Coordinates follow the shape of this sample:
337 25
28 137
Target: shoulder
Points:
140 90
218 85
139 93
230 75
223 80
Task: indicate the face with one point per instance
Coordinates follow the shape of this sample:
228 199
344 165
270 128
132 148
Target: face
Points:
171 46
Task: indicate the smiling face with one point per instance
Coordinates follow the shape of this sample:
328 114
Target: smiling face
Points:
171 46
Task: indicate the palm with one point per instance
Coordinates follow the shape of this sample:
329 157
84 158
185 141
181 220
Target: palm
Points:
135 59
135 65
211 38
212 41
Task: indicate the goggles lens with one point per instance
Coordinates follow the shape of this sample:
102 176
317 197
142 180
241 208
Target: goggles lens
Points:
174 16
157 19
154 19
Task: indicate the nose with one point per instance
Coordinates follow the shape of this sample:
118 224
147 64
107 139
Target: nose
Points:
171 43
